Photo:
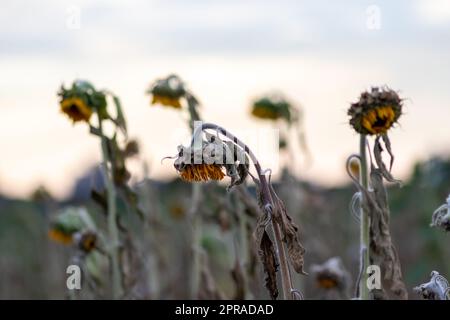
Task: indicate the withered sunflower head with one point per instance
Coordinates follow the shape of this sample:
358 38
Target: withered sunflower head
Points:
213 160
168 92
66 224
272 107
86 240
60 236
76 109
196 168
327 281
376 111
81 100
331 274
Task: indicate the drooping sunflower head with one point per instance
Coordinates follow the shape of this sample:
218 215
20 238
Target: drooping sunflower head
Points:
376 111
66 224
213 160
202 172
331 274
86 240
81 100
60 236
76 109
168 92
327 281
194 168
272 107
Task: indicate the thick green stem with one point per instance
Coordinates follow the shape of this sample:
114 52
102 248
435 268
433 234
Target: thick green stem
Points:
112 222
365 223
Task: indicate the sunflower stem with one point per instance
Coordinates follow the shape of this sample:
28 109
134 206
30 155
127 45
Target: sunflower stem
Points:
112 222
196 236
267 203
365 222
196 219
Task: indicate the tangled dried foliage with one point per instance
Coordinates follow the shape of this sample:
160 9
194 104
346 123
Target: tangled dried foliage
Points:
374 201
382 250
290 233
441 216
332 277
233 155
435 289
269 260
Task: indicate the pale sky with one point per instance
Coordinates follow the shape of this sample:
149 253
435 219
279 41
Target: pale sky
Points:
319 53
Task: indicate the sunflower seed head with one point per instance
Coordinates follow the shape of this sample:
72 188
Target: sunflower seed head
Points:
375 111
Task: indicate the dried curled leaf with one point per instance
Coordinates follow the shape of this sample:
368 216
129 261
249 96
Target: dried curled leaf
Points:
382 250
270 263
436 289
441 216
120 121
267 255
290 234
377 150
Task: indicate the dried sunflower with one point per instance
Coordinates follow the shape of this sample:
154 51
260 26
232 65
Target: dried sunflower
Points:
168 92
86 240
204 160
272 107
376 111
60 236
332 275
275 106
76 109
67 224
210 160
81 100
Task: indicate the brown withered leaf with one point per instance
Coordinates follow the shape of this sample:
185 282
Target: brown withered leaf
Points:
131 149
290 234
267 254
270 263
387 143
382 250
436 289
377 151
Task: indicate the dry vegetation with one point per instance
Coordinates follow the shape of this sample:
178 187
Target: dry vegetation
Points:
194 238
